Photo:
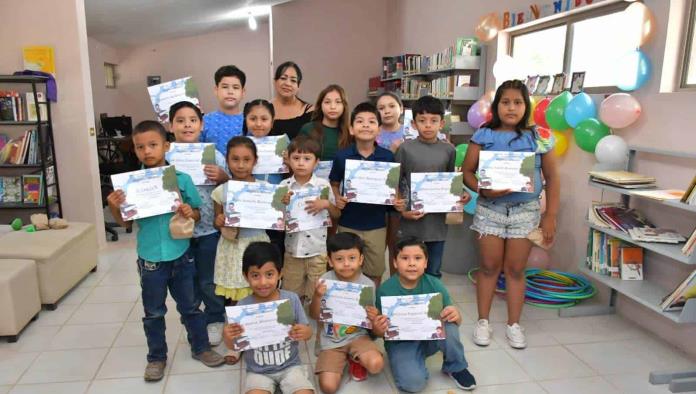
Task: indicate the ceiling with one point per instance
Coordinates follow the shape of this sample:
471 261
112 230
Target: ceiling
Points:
127 23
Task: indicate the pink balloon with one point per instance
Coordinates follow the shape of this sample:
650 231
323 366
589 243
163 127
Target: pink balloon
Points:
619 110
479 113
538 258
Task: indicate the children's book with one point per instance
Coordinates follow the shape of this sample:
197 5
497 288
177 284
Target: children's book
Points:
12 186
676 299
631 263
31 188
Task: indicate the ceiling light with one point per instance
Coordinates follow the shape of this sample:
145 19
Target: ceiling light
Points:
252 22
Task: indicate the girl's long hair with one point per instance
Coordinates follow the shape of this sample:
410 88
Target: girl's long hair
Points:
344 137
523 124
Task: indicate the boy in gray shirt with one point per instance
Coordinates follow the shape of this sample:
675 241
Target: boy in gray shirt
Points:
426 154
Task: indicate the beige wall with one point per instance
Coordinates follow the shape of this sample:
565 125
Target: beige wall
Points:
61 25
105 99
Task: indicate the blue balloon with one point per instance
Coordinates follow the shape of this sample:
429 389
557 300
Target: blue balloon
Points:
579 108
634 70
470 207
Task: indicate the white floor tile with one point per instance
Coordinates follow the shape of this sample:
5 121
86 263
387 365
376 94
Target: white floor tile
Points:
57 317
594 384
51 388
590 329
5 389
535 336
535 313
124 362
515 388
13 365
498 313
91 279
374 384
34 338
101 313
133 334
636 383
462 293
85 336
112 294
553 362
121 277
493 367
75 296
127 385
64 366
465 335
183 363
213 382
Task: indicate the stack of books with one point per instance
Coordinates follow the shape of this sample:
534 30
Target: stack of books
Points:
607 255
21 150
616 216
623 179
649 234
675 300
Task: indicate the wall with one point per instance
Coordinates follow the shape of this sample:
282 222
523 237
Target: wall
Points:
333 41
662 125
73 115
105 100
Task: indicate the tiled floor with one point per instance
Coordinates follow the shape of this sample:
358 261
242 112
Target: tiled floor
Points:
94 343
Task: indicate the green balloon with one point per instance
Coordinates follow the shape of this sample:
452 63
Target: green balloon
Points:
555 112
588 133
461 152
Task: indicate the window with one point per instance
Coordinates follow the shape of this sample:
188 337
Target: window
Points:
541 59
110 75
688 79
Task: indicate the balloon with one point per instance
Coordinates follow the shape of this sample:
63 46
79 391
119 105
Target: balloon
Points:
488 27
488 96
555 113
539 113
640 23
538 258
470 207
506 68
561 145
588 133
619 110
533 101
633 70
479 113
461 152
579 108
612 149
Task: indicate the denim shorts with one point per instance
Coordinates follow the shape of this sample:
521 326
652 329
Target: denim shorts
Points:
506 219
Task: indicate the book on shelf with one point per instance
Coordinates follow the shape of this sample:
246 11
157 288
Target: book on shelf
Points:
649 234
32 187
21 150
676 299
631 259
660 195
623 179
616 217
467 46
611 256
12 189
690 244
31 106
689 196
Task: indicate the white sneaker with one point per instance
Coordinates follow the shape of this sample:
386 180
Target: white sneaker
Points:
215 333
482 333
515 336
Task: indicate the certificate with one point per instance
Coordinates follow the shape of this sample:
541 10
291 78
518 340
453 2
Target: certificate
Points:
254 205
371 182
413 317
191 158
270 151
323 169
267 323
506 170
345 302
169 93
436 192
149 192
298 219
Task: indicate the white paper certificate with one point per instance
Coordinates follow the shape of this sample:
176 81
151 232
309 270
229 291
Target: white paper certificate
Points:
149 192
169 93
371 182
267 323
506 170
345 302
436 192
323 169
298 219
270 151
413 317
191 158
254 205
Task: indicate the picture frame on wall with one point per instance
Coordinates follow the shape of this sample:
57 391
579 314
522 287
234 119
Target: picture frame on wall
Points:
577 82
558 83
153 80
542 85
531 83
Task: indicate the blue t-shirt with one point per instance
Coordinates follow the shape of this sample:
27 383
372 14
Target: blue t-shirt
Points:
529 141
359 216
218 128
385 139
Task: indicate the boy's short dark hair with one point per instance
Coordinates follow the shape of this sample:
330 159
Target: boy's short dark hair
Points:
344 241
428 105
259 253
184 104
230 71
304 144
150 125
411 241
365 107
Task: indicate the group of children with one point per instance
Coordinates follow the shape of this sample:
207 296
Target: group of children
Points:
225 265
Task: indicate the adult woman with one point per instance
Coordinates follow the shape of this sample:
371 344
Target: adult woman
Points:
290 110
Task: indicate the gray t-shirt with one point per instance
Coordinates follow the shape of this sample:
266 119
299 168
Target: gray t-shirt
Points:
335 335
418 156
275 358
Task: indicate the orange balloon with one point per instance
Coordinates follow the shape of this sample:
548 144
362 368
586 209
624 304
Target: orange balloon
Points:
488 27
640 18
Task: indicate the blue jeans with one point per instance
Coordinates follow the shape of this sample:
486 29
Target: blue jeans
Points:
203 250
407 359
435 252
177 276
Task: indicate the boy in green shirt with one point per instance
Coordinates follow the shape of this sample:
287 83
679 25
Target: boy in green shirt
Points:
163 262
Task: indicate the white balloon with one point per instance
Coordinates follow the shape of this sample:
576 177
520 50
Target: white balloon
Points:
611 150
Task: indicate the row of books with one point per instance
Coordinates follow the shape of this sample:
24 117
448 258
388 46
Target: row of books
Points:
27 189
21 150
440 87
17 107
393 66
676 299
613 257
617 217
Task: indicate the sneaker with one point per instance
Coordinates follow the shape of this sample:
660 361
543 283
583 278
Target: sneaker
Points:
215 333
154 371
209 358
464 379
357 371
515 336
482 333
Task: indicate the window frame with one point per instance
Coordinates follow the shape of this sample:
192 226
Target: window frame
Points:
569 22
112 66
687 48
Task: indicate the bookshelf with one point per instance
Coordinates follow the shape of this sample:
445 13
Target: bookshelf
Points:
43 163
645 292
